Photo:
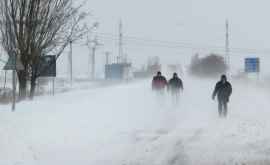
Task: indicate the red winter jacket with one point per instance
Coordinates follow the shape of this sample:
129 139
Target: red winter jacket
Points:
159 82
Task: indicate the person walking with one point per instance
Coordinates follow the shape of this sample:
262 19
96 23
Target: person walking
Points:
159 82
223 91
175 86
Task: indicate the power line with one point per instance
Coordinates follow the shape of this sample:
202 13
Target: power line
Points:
189 47
170 44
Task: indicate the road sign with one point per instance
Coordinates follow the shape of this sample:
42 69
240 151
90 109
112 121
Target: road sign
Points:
47 66
252 65
11 63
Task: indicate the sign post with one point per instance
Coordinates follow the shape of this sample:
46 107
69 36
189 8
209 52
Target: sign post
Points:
13 64
14 86
53 83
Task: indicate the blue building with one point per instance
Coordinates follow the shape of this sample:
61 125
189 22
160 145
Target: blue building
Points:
117 71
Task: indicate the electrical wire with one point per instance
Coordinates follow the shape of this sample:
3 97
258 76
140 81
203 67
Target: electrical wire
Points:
131 40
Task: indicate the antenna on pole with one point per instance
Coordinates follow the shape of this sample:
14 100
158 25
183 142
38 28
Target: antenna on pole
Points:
227 49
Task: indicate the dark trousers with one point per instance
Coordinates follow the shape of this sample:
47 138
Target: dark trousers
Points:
222 108
175 97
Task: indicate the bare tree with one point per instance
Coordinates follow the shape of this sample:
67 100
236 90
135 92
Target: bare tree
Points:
34 28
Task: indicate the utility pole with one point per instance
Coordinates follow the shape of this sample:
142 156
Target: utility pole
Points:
120 43
92 46
89 63
93 70
71 62
70 58
95 44
227 49
107 54
89 46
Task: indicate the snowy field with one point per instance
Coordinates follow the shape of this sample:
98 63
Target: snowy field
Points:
126 125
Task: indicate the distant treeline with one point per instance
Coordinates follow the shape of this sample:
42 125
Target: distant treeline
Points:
209 66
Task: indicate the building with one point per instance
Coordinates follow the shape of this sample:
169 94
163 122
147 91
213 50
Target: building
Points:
117 71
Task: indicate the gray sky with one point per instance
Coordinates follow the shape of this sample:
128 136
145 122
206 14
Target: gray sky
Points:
199 22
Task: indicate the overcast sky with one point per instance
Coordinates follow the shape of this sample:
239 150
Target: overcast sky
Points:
199 22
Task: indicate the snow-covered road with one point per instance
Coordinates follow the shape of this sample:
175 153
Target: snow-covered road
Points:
125 125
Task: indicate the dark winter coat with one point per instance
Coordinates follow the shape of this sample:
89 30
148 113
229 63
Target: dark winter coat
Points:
223 91
175 84
159 82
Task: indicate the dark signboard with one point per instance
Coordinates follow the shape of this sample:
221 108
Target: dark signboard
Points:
47 66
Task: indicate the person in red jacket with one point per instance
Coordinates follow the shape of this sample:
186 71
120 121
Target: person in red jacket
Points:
159 82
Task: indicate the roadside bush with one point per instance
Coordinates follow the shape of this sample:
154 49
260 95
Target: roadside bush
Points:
209 66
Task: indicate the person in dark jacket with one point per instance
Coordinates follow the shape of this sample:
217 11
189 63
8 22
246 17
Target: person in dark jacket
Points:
159 82
223 91
175 86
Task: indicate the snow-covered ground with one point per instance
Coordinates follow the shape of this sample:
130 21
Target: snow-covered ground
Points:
129 125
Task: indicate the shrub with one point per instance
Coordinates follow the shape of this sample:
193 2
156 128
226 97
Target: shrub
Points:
208 66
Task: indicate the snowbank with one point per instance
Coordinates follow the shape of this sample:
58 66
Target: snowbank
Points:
129 125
